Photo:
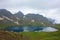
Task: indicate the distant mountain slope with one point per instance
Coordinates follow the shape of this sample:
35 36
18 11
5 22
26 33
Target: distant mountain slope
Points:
19 15
6 15
21 19
36 18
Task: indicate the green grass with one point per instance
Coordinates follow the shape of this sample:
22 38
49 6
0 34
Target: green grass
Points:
56 26
42 35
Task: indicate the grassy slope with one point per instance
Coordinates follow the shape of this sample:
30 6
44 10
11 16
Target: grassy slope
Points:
33 24
42 35
6 23
30 35
56 26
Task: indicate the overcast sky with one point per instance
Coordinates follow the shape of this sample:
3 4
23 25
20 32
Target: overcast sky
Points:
47 8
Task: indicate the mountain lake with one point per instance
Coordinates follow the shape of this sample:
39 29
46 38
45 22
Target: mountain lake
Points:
30 29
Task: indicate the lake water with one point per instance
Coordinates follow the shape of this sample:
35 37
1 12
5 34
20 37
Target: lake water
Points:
30 29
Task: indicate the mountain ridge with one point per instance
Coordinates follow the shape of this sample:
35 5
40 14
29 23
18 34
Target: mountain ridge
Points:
19 18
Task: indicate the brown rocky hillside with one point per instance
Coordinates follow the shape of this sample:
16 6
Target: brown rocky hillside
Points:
11 36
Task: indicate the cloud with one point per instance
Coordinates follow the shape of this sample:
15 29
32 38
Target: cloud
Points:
12 3
54 14
40 4
54 4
